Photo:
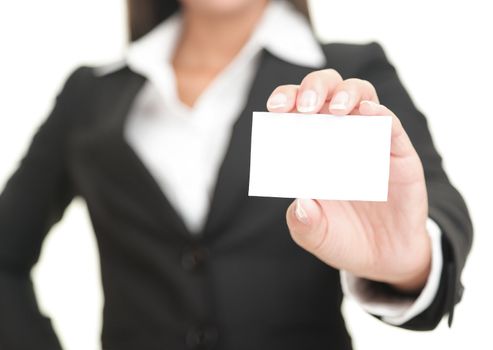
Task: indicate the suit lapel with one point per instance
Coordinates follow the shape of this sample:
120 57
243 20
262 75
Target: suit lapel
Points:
232 184
130 184
111 153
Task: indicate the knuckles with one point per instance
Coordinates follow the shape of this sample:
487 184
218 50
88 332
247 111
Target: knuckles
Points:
331 78
328 74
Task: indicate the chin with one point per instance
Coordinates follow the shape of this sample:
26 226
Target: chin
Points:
219 7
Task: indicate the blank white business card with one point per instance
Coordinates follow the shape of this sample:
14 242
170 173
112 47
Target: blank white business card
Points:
320 156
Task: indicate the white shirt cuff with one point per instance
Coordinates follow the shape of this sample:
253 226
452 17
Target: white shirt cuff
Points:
397 309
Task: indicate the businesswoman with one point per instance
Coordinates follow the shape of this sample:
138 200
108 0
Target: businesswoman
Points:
158 147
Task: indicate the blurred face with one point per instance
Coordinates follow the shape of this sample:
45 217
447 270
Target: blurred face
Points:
220 7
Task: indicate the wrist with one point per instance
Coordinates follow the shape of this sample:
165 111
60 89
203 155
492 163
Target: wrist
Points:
414 281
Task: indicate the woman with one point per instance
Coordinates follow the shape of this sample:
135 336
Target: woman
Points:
158 147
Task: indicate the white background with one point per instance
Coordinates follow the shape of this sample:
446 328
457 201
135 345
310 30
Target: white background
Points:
442 50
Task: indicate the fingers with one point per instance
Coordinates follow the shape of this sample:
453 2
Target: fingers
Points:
309 97
322 91
401 144
325 92
315 89
283 99
371 108
307 224
348 95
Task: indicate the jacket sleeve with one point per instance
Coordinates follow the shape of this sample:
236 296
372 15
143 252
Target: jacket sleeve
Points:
446 206
33 199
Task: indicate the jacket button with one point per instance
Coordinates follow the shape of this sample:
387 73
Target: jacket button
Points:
193 258
201 338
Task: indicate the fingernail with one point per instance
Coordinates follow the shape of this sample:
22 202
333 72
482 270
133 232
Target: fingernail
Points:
373 107
308 101
278 100
300 213
340 102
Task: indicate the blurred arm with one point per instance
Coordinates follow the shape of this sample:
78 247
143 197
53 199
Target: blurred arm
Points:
446 206
33 199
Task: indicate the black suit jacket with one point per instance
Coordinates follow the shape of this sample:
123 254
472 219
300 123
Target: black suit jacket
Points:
242 283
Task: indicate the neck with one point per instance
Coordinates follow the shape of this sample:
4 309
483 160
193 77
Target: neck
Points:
217 37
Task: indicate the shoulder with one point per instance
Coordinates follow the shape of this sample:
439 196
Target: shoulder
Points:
77 79
93 84
88 77
88 96
352 60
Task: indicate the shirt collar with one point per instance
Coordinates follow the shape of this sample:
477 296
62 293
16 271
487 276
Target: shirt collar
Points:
282 30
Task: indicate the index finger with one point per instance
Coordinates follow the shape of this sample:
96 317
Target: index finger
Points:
315 89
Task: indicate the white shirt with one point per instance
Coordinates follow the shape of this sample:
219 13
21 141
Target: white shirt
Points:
184 147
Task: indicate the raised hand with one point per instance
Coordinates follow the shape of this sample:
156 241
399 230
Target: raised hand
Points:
381 241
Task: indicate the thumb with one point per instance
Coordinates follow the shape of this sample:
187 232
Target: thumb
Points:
308 225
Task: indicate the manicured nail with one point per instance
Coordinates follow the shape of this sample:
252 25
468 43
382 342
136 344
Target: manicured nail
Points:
308 101
372 106
300 213
340 102
278 100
